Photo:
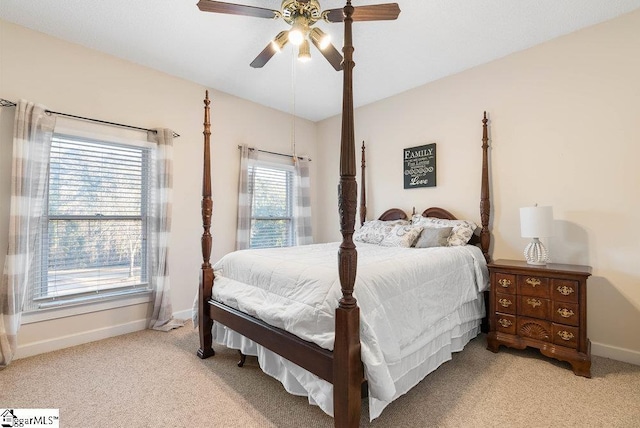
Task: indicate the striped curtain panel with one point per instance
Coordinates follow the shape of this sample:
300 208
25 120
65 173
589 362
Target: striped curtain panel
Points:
32 134
302 204
245 198
162 316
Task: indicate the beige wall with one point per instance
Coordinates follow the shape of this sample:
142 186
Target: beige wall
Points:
72 79
564 132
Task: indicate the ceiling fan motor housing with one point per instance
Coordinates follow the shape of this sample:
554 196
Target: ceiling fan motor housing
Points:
296 11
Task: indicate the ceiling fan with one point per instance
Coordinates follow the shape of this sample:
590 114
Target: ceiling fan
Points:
302 16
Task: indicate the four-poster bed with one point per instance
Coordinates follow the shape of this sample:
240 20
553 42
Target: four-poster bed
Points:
342 366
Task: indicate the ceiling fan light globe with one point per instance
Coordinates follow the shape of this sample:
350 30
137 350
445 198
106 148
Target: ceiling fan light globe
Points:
296 37
326 41
320 38
304 51
299 30
280 40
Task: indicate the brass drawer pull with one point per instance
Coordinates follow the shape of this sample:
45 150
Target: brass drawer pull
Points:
565 335
534 302
505 303
504 282
565 291
533 281
505 323
565 313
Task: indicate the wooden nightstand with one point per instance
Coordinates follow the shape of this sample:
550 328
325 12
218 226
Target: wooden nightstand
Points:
544 307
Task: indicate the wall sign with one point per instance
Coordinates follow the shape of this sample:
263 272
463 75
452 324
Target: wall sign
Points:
420 166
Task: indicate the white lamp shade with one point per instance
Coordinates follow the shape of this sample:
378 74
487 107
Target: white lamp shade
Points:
536 222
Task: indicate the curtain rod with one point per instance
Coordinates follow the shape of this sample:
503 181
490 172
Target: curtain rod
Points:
274 153
7 103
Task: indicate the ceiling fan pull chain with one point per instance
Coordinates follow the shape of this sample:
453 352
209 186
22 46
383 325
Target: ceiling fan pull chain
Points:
293 105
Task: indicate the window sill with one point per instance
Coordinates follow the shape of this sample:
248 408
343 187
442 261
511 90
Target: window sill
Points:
85 308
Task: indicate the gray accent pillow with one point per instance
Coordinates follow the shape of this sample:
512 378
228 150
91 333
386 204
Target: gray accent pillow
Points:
462 229
434 237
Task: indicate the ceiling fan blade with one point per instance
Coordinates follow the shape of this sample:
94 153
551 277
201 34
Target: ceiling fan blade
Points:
375 12
236 9
331 54
264 56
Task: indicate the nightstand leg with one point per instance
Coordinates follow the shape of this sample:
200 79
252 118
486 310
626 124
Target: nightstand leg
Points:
493 344
581 368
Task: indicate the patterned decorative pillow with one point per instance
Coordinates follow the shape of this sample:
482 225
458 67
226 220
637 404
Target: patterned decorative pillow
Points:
433 237
374 231
460 234
401 236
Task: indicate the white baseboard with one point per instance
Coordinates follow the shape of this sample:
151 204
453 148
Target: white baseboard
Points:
56 343
615 353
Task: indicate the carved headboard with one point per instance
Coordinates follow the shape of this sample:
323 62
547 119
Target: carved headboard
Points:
393 214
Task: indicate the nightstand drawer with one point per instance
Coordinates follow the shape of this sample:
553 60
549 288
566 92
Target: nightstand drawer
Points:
534 328
505 283
506 303
564 335
506 323
529 285
535 307
564 290
566 313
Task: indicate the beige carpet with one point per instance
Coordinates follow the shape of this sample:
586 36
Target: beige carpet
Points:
154 379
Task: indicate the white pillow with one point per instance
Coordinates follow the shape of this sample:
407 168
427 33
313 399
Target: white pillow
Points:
460 234
374 231
401 236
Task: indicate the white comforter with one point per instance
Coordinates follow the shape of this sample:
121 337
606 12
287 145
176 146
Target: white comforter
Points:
402 293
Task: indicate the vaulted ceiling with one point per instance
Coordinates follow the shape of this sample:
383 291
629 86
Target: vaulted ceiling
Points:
431 39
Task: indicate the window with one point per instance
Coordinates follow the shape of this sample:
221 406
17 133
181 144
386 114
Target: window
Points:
272 205
94 241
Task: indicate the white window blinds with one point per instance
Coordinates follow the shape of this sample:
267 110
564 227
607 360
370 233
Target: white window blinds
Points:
272 208
95 234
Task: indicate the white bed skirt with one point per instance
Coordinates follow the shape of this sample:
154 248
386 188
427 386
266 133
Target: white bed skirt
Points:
449 335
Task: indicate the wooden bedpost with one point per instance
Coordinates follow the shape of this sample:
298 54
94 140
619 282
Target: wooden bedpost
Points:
485 204
206 274
363 190
347 365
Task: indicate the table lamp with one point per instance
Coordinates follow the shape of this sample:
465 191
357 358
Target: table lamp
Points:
536 222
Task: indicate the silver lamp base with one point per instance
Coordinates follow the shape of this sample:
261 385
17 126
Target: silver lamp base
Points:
535 253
